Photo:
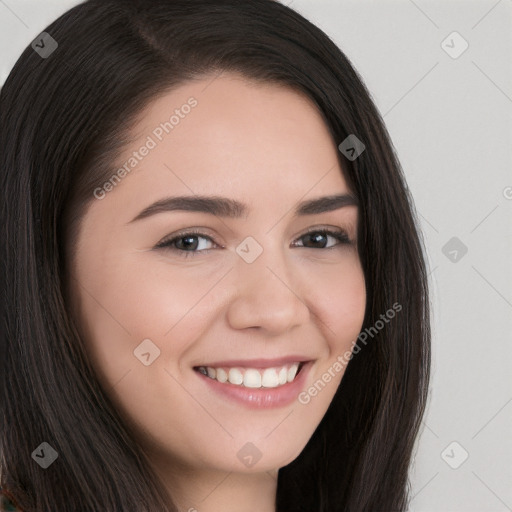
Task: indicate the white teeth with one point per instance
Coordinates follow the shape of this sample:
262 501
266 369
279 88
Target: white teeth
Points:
251 377
235 376
221 376
270 378
292 372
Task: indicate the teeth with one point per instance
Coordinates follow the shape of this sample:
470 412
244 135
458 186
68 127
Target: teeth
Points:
235 376
251 377
221 376
270 378
292 372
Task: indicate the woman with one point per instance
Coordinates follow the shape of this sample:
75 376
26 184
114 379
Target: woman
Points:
263 372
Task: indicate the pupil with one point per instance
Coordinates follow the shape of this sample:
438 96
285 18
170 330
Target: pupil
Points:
188 242
315 237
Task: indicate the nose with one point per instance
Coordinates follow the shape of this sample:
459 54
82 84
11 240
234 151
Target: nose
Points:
268 295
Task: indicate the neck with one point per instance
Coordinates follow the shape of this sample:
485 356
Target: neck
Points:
228 492
203 490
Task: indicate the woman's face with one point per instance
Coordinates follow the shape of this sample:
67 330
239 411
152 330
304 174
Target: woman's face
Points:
252 294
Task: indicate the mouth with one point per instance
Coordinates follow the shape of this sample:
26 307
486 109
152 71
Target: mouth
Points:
254 377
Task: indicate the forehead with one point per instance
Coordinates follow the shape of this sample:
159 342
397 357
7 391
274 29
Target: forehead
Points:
229 135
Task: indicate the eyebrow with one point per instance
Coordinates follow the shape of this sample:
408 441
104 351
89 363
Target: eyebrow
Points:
226 207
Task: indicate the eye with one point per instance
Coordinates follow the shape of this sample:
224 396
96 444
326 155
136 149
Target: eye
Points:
189 247
185 244
319 235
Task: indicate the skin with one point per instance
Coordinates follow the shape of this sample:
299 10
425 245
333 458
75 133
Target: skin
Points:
269 147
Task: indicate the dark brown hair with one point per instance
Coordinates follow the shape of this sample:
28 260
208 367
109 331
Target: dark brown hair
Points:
63 120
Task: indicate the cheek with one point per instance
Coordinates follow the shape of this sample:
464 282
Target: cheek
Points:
126 301
339 301
125 305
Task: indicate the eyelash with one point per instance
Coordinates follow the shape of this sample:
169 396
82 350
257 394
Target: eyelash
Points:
340 235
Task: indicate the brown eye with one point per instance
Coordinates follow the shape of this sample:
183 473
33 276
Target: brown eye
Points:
320 237
185 244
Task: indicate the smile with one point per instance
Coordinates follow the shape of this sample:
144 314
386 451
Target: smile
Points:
253 377
259 383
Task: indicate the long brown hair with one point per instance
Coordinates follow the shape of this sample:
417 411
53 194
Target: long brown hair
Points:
63 120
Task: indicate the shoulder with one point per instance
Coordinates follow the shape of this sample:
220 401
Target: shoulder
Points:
7 502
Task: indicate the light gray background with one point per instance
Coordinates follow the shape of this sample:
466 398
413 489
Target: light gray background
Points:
450 121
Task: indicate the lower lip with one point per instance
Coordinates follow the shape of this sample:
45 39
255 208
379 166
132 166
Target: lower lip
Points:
260 398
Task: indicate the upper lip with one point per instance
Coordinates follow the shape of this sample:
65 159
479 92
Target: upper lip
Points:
258 363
